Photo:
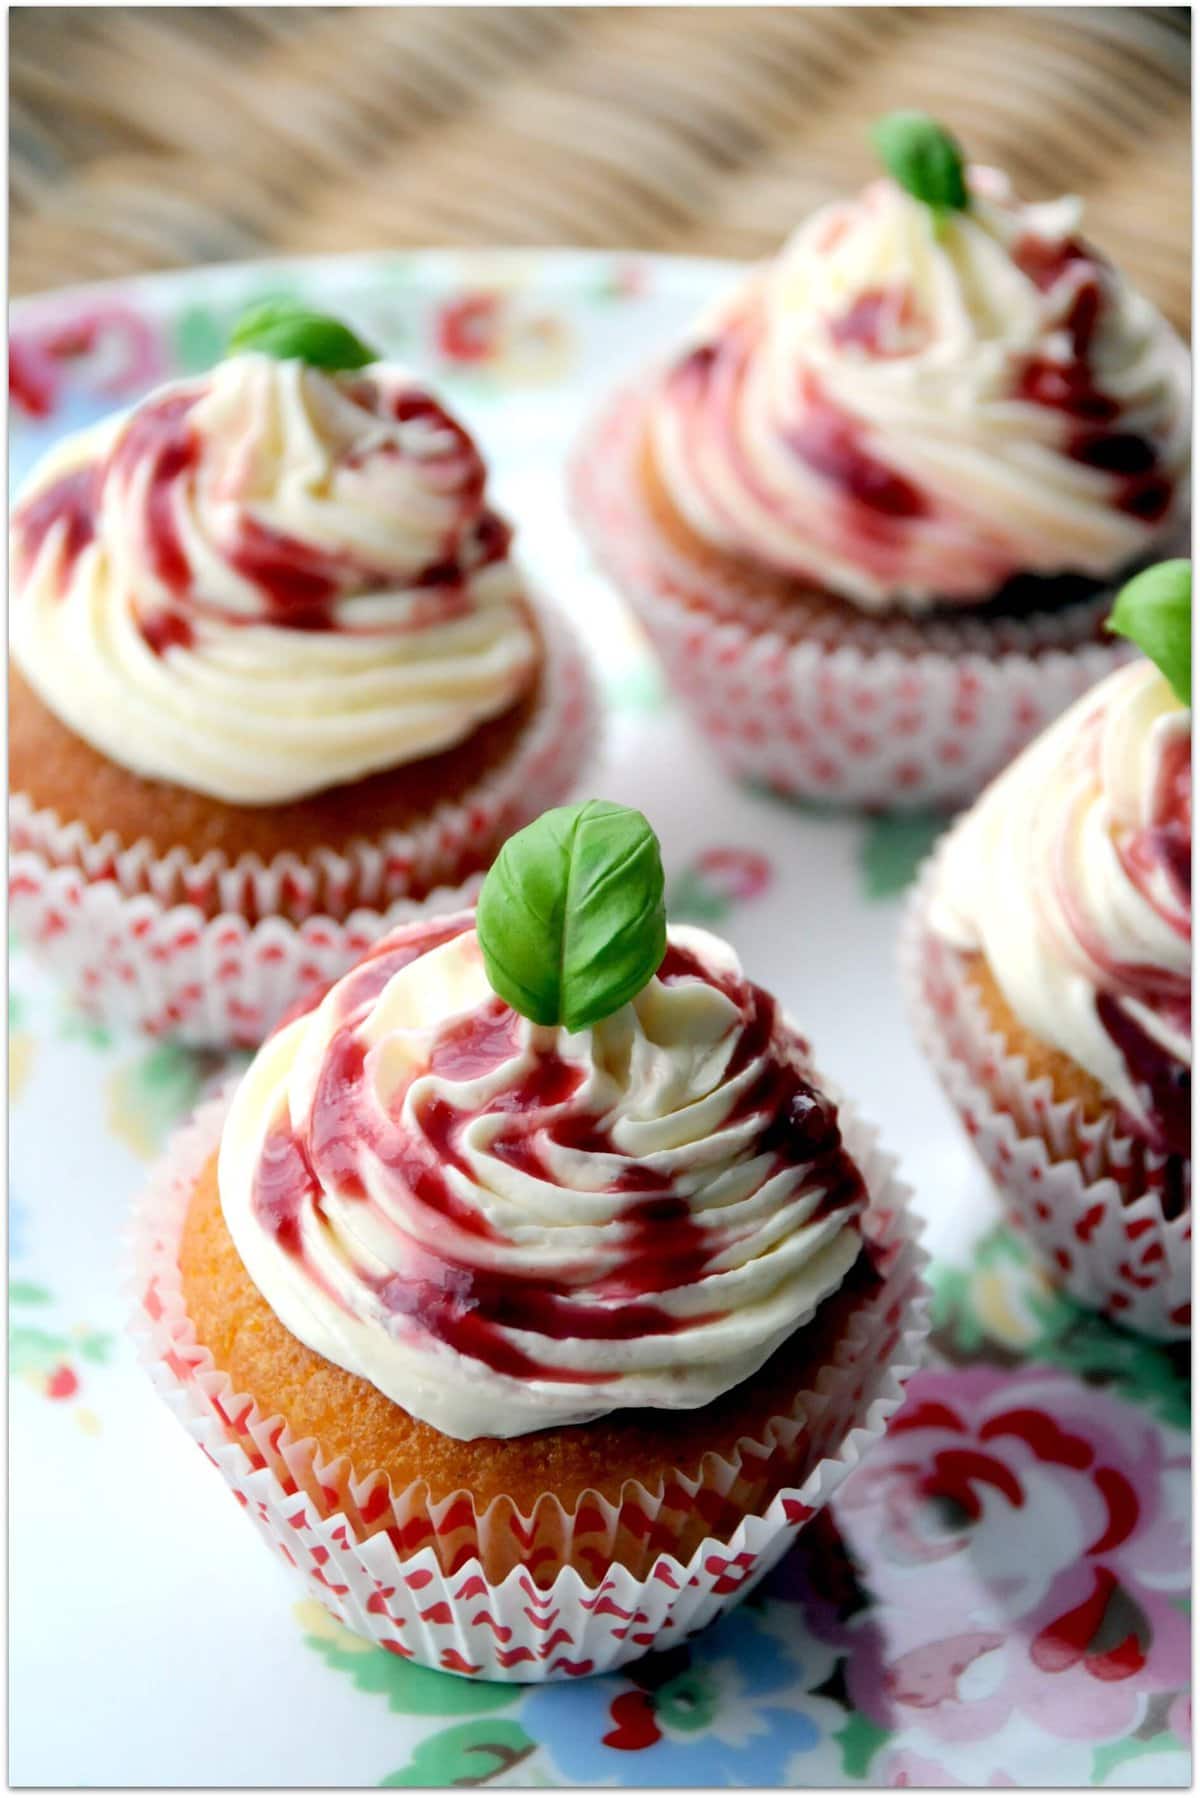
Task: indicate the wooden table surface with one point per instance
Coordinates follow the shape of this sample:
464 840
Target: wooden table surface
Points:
149 138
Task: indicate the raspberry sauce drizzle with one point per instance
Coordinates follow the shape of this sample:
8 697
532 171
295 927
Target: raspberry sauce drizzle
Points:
1071 387
469 1305
160 435
299 584
1162 1082
1157 860
882 322
731 409
867 512
70 502
832 446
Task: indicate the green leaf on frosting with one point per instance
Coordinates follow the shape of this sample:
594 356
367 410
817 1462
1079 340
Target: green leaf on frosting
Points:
571 918
290 332
923 157
1154 610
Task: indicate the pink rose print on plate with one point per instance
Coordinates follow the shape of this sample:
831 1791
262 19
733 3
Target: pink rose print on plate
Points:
110 349
907 1769
720 879
499 333
736 873
1024 1540
629 281
469 327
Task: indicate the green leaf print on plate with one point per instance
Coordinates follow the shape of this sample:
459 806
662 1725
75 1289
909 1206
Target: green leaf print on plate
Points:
1003 1306
201 333
892 849
469 1754
689 1702
414 1691
95 1346
891 845
860 1740
26 1292
74 1025
1118 1754
711 887
199 340
48 1358
44 1358
33 1351
691 900
626 278
147 1097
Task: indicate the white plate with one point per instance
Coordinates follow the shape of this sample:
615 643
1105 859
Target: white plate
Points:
152 1639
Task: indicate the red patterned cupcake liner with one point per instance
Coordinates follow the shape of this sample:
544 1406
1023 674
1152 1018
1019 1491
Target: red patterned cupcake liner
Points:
470 1591
1096 1203
135 936
895 714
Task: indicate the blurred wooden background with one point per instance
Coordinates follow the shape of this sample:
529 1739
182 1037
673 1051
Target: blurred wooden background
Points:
147 138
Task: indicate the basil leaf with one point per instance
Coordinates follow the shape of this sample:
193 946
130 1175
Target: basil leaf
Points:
1154 610
571 918
924 158
291 333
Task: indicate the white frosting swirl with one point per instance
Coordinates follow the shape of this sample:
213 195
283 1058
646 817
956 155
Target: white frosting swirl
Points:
269 581
909 410
1072 876
505 1227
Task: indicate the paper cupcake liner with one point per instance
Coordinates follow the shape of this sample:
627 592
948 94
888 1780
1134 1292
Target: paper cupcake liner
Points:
135 936
897 714
398 864
501 1594
1087 1194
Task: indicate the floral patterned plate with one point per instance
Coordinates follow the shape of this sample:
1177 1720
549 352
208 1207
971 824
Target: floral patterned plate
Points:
999 1596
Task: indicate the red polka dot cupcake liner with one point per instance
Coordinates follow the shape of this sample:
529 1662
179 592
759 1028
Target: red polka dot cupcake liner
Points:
891 714
1103 1211
504 1594
213 952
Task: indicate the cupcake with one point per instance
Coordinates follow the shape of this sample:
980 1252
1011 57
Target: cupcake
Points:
276 682
872 510
1047 955
531 1290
